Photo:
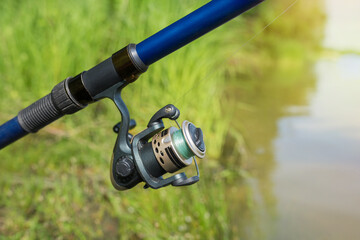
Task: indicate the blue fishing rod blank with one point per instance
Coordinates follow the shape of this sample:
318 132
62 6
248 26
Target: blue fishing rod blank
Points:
10 132
123 67
191 27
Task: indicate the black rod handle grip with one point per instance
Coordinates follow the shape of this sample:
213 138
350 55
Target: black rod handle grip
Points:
48 109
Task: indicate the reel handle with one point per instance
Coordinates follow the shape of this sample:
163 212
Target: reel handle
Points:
185 182
188 181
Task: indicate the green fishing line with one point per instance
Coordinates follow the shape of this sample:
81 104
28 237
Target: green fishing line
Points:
180 144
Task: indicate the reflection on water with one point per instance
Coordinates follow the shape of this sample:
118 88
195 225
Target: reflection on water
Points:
286 92
303 136
318 174
317 179
301 129
330 131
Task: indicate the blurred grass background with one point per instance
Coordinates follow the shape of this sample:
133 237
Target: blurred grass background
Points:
55 184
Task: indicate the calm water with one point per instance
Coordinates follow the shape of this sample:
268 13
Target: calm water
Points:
317 179
305 136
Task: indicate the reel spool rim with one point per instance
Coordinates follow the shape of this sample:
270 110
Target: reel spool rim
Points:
185 130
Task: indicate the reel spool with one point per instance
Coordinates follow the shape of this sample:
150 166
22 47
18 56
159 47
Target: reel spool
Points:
174 148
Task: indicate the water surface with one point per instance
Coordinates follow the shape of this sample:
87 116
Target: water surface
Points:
317 179
303 131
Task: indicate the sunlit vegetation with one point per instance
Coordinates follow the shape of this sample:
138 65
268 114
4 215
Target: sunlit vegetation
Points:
55 184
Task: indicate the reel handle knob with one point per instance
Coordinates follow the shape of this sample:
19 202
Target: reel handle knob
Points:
125 167
169 111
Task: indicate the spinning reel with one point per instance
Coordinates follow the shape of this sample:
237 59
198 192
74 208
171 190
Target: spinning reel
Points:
155 151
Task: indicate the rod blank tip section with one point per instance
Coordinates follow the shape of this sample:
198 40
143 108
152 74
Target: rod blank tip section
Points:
191 27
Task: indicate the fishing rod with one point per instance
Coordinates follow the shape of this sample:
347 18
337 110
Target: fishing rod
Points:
155 151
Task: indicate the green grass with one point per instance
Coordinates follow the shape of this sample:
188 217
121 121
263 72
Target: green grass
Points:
55 184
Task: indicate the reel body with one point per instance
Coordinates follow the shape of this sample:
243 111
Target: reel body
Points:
155 151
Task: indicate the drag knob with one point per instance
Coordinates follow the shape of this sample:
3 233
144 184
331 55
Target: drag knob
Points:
194 138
